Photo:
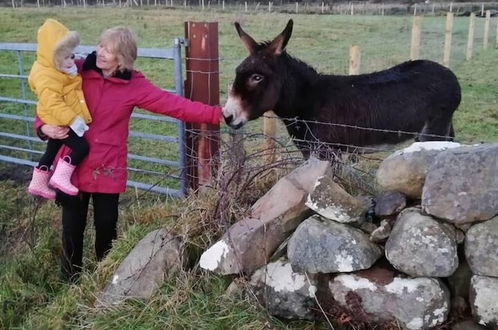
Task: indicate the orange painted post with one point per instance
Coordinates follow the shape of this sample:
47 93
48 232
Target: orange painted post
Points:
202 84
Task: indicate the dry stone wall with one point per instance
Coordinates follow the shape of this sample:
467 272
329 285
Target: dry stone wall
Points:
432 251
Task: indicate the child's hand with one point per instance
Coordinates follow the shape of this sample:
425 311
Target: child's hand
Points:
55 132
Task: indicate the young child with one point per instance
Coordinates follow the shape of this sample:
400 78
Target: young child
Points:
55 81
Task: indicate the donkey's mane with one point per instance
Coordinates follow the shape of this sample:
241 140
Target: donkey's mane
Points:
301 68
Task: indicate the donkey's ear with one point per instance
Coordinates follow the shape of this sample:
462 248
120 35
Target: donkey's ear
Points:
278 44
247 40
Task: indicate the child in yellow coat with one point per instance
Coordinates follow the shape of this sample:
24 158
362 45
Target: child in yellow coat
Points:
55 80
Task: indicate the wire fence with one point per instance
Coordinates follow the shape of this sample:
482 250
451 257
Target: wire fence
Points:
261 147
290 7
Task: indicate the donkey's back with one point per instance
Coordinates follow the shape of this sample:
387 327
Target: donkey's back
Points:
415 96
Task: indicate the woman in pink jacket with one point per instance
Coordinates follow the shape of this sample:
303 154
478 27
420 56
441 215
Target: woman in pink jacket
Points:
112 89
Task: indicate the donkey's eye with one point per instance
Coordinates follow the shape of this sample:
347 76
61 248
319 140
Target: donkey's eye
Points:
256 78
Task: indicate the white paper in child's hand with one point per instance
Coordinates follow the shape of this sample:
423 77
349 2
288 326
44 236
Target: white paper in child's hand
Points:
79 126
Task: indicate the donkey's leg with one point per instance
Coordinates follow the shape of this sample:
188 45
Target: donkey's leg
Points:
437 129
452 132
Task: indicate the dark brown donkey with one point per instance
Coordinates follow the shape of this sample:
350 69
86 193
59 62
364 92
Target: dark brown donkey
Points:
412 99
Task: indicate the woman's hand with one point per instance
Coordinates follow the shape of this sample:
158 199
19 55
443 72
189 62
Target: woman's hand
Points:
55 132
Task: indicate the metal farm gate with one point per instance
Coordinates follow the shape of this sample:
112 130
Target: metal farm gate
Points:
20 145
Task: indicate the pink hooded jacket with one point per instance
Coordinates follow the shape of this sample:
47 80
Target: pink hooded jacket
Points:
111 102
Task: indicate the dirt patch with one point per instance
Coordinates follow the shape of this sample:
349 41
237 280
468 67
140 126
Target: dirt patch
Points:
15 172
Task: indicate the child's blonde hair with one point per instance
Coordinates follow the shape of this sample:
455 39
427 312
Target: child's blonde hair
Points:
121 42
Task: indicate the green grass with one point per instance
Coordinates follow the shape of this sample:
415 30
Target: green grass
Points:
476 119
32 295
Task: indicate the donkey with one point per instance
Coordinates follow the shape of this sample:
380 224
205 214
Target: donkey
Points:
332 112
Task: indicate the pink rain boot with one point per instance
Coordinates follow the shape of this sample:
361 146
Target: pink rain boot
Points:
39 183
61 179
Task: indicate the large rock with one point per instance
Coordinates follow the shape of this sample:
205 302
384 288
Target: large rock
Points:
421 246
417 303
323 246
151 262
462 184
283 292
484 301
405 170
331 201
481 248
249 243
389 203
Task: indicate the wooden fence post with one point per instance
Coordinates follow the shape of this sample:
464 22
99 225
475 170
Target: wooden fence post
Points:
270 132
486 29
447 39
202 84
415 43
354 60
470 38
496 33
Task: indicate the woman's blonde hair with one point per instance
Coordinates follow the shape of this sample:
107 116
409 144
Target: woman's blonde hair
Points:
121 42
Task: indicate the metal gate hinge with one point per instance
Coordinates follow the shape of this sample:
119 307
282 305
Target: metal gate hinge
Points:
181 41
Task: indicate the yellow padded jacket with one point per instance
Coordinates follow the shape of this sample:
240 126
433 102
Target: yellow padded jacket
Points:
60 95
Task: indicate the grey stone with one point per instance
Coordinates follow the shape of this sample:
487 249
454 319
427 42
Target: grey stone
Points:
462 184
481 248
467 325
416 303
405 170
284 292
322 246
381 234
250 242
152 261
389 203
367 227
331 201
421 246
484 301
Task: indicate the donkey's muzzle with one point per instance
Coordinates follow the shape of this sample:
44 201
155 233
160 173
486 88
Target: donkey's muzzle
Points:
228 119
230 122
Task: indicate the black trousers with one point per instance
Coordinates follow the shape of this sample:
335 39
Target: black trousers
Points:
74 215
79 149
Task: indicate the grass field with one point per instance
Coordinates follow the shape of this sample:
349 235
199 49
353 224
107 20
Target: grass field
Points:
32 296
